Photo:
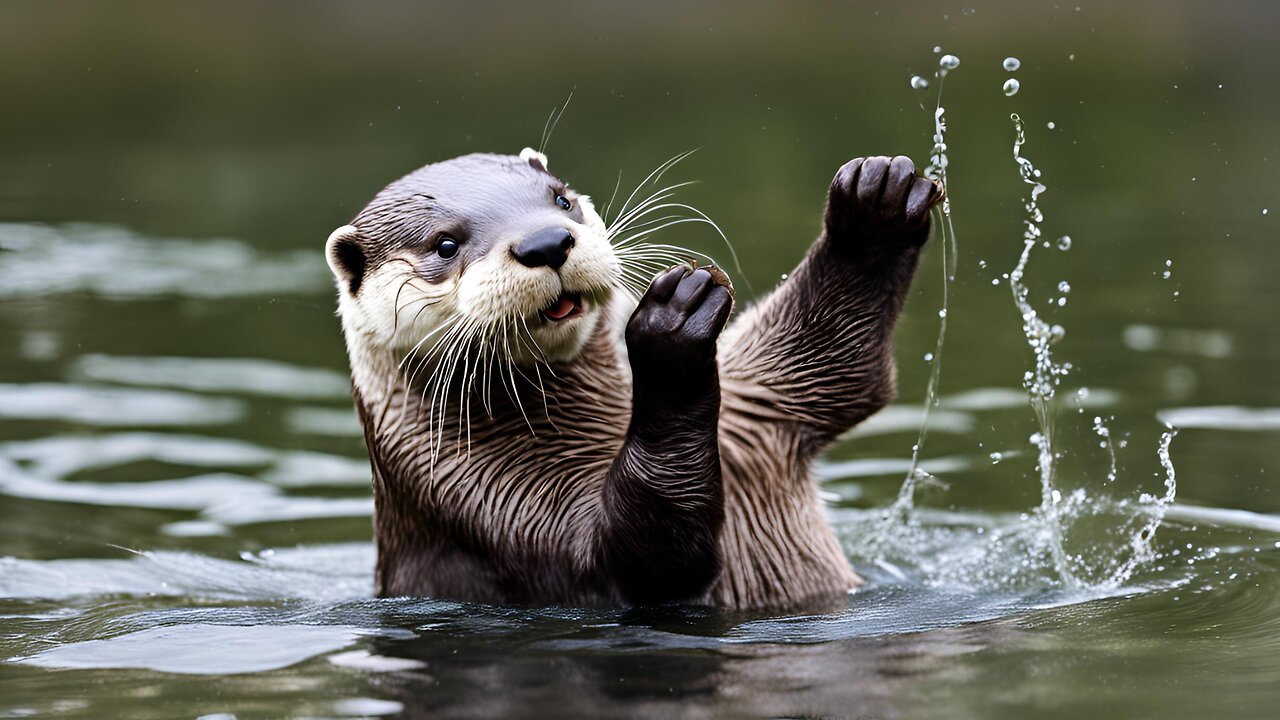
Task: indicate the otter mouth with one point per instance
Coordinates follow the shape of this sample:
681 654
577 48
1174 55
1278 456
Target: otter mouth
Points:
565 307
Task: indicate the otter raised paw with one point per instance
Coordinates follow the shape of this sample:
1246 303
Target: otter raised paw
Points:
880 198
675 326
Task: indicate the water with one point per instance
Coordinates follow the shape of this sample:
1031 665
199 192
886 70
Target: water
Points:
184 512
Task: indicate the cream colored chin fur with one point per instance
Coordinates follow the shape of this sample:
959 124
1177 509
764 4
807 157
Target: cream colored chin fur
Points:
495 299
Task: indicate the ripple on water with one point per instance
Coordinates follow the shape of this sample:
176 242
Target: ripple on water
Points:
222 498
235 375
1210 343
314 573
113 261
58 458
203 649
114 407
47 470
1222 417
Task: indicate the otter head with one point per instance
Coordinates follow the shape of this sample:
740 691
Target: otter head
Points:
487 253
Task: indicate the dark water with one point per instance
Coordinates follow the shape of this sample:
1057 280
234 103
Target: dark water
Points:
184 511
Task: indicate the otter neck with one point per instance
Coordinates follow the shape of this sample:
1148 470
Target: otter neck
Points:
401 404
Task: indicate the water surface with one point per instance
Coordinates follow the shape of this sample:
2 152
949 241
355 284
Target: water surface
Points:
184 503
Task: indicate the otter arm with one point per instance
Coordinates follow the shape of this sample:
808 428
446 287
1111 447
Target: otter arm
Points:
816 354
663 499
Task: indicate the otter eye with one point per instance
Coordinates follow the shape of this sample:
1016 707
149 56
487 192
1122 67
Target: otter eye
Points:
447 248
563 202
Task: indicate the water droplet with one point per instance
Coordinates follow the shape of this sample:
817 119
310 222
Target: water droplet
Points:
1166 274
949 62
942 313
995 281
928 357
784 276
1056 496
1264 211
1064 242
1010 87
1011 64
1052 125
937 49
996 457
918 82
1064 287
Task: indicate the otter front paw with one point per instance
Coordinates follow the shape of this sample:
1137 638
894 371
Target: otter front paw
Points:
676 324
879 198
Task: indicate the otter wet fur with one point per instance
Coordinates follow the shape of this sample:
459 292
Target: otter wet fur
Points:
538 436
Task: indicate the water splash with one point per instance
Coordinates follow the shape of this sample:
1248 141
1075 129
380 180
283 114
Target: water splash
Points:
1104 432
898 514
1141 543
1034 548
1042 381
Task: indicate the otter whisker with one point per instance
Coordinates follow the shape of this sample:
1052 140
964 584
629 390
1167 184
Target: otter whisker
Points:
512 369
703 216
612 196
639 280
447 325
641 234
633 217
452 329
654 176
455 330
699 215
550 127
540 360
487 340
643 208
489 358
395 305
656 260
440 381
644 224
426 304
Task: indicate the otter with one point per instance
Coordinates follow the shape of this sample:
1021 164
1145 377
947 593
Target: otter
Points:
538 437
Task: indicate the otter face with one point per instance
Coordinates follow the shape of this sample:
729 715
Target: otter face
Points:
481 253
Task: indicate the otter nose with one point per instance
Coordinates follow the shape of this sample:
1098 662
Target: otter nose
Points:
549 247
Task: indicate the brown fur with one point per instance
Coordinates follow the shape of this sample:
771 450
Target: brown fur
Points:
521 504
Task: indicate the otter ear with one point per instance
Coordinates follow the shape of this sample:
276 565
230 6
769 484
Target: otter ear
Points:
345 254
536 160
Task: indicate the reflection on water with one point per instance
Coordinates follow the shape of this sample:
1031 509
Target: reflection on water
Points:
184 503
